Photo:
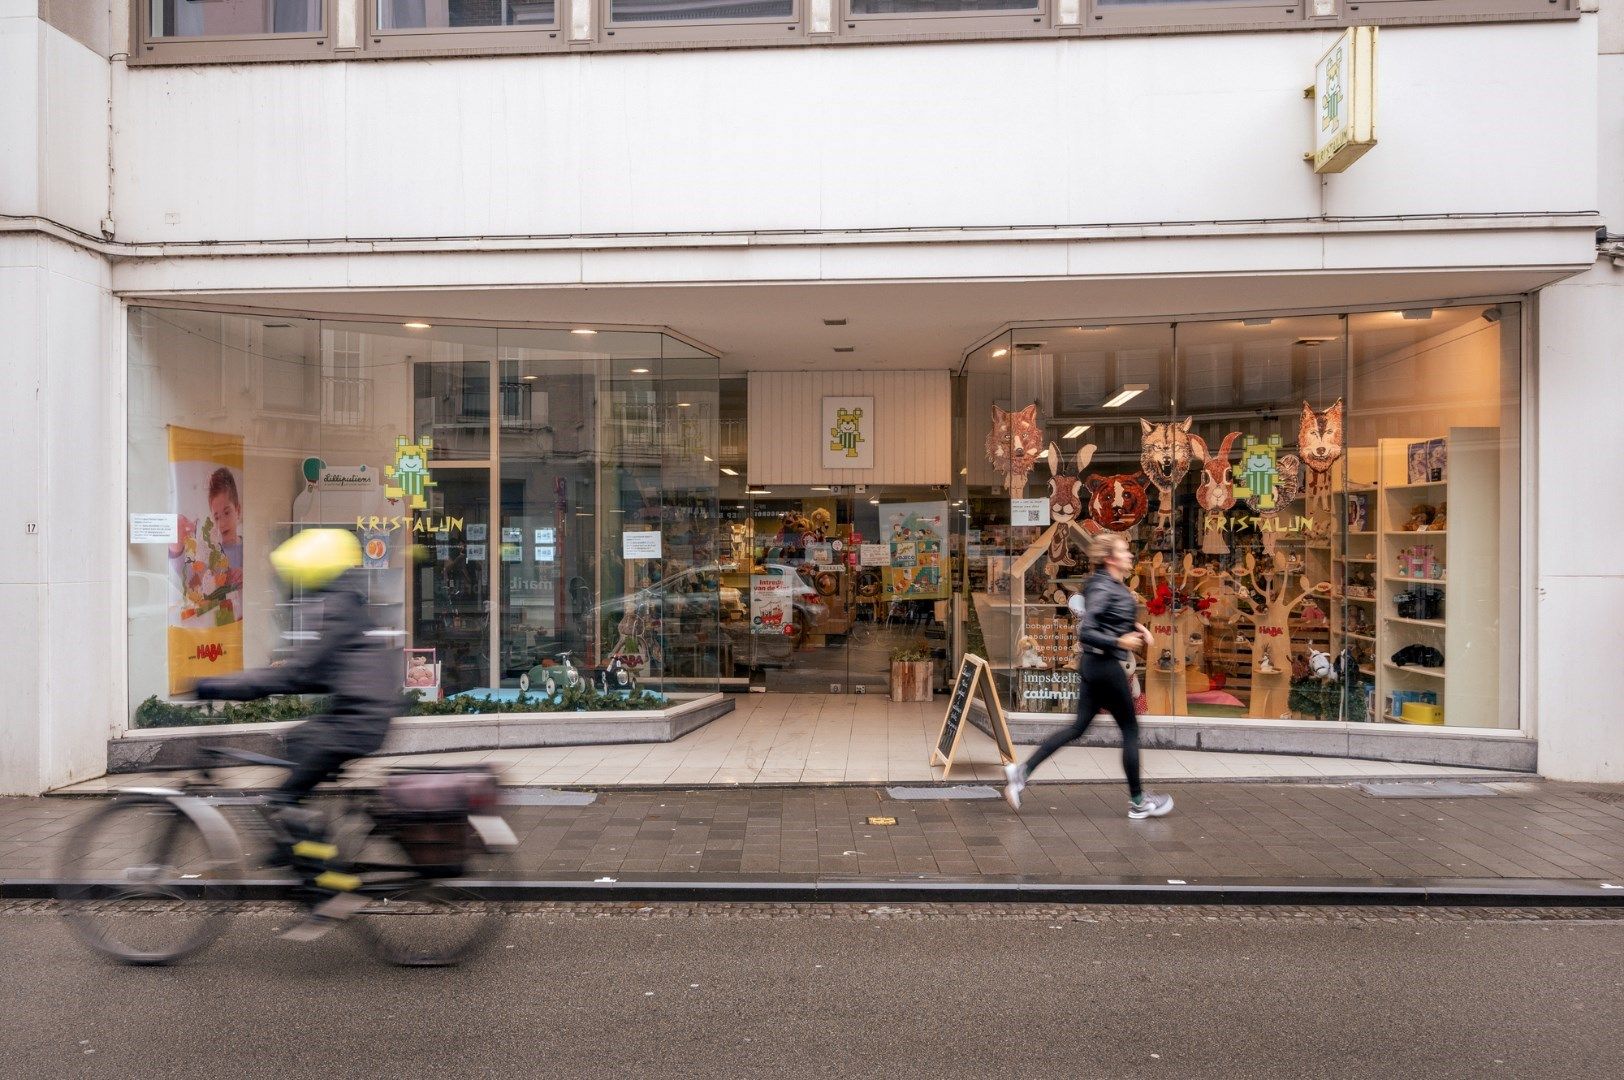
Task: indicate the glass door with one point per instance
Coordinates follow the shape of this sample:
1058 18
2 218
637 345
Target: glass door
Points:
904 580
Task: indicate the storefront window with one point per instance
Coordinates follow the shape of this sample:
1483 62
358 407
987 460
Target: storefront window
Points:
1324 510
498 549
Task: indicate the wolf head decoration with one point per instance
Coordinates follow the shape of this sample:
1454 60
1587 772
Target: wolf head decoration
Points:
1319 438
1166 451
1014 443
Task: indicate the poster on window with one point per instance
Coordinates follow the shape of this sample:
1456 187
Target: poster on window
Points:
847 435
206 607
771 605
916 535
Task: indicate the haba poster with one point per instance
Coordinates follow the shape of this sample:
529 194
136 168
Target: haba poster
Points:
206 612
916 534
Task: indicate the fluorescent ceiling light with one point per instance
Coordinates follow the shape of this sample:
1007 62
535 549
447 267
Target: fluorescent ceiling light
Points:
1416 314
1076 431
418 325
685 404
730 472
639 371
758 491
707 457
1126 394
996 353
874 502
820 489
584 332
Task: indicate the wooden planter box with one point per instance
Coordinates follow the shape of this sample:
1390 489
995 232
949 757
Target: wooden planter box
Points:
911 681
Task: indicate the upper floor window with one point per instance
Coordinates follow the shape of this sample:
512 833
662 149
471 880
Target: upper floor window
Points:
464 14
234 18
938 7
677 11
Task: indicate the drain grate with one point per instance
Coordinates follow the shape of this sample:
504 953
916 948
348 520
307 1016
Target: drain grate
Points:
1441 789
963 791
529 796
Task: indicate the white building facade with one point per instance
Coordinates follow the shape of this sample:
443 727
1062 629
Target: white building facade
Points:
935 221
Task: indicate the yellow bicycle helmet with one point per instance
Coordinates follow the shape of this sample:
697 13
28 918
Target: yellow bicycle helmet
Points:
314 558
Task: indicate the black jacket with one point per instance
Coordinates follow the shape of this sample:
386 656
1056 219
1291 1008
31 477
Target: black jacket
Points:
347 657
1110 610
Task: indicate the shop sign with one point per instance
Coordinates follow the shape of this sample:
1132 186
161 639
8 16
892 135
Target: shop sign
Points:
849 422
345 477
874 554
640 545
1029 512
434 525
1344 95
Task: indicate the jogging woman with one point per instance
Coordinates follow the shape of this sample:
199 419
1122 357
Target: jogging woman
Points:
1107 634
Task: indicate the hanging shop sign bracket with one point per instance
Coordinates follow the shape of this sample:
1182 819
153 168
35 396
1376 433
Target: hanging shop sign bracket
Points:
1344 96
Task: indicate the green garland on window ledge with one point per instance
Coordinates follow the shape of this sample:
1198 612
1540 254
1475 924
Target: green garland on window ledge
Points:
154 712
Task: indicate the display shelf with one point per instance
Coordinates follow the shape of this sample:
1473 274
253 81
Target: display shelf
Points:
1358 637
1361 560
1429 672
1360 532
1417 580
1416 532
1435 484
1435 624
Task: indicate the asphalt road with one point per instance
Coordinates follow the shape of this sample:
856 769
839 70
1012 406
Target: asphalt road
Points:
695 991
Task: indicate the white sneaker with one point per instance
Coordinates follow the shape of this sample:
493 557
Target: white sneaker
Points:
1150 806
1014 782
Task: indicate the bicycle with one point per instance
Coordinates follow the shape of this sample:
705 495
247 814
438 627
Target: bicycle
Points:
403 878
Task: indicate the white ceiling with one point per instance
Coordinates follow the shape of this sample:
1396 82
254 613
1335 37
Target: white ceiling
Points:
892 325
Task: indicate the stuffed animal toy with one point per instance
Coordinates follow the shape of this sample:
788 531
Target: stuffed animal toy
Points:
1421 519
1029 655
1319 665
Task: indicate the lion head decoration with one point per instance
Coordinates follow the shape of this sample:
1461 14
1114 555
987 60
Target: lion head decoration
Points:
1013 445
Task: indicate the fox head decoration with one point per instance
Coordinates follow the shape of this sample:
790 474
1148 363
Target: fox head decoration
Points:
1014 443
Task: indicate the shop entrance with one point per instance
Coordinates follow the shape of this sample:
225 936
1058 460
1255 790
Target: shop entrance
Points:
828 583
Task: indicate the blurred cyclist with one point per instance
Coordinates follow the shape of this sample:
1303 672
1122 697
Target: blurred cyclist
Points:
345 656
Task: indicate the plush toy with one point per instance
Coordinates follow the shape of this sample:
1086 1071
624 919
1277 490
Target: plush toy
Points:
1421 519
1319 665
1029 655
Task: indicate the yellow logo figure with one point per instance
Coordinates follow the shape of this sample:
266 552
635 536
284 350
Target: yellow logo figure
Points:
847 432
1258 473
410 472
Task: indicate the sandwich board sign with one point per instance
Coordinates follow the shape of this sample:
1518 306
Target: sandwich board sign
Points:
973 672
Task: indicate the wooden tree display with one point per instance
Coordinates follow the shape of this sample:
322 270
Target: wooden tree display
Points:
1174 628
1275 600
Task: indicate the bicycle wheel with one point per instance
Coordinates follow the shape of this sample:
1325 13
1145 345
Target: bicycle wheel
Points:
143 884
415 918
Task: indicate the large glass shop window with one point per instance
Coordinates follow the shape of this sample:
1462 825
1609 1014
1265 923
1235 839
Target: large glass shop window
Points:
1323 509
531 503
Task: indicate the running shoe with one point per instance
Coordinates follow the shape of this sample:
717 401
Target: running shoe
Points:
1014 781
1149 806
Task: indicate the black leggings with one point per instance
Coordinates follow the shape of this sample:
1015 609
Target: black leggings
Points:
1104 686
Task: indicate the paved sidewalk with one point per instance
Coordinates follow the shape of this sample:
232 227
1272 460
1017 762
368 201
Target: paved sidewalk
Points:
1068 833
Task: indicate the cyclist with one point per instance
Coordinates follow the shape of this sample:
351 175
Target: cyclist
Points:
346 656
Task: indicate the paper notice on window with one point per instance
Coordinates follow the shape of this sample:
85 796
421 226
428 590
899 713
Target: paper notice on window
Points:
640 545
875 555
1029 512
154 529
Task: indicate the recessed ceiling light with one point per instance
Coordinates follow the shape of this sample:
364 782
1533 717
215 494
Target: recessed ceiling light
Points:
584 332
1076 431
531 378
1311 342
1416 314
1126 394
418 325
873 502
996 353
730 472
1256 322
834 322
845 348
685 404
639 371
278 326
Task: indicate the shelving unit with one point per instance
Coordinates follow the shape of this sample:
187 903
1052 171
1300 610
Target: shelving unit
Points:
1466 684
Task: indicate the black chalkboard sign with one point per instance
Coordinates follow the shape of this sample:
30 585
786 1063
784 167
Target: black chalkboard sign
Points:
973 671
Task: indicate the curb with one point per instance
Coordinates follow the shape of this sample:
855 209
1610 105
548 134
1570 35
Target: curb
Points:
1442 892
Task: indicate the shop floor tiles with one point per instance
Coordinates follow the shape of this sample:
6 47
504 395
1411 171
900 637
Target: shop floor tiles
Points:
832 739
